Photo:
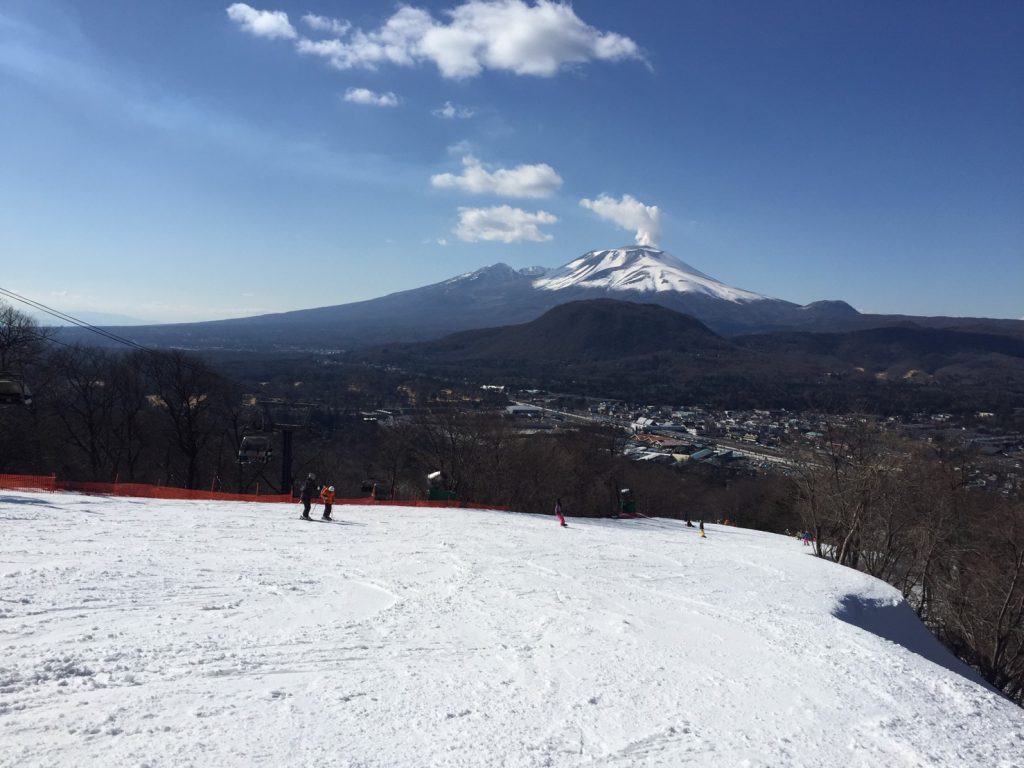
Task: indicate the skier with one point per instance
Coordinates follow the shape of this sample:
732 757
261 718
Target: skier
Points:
558 512
306 495
327 494
807 538
702 530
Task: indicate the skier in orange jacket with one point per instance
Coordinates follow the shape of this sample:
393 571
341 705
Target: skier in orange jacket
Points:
327 494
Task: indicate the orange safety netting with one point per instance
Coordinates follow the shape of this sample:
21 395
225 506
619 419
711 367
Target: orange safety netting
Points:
28 482
146 491
51 483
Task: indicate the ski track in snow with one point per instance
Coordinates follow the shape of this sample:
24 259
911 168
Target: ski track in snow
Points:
161 633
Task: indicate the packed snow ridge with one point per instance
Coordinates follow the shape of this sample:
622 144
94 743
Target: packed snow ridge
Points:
640 269
141 632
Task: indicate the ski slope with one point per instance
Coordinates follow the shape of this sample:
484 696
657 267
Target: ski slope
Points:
162 633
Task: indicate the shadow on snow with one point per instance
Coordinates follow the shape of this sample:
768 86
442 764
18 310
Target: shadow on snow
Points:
897 623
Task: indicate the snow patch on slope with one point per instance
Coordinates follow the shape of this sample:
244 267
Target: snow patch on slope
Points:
640 269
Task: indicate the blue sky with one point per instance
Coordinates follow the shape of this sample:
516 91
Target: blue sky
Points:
189 159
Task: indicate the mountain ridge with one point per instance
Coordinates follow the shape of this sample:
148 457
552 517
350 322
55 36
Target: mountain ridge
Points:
499 294
585 330
633 351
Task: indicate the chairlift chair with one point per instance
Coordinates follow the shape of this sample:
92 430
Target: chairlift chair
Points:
627 503
436 488
255 449
14 390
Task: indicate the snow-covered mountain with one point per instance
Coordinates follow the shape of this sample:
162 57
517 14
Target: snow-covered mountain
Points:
499 295
639 269
170 633
631 271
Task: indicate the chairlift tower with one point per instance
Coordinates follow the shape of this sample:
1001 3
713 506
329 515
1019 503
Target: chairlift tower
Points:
287 418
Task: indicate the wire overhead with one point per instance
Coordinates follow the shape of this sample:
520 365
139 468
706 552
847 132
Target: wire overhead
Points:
83 325
73 320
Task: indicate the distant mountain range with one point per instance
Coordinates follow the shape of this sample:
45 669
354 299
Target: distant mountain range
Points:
499 295
616 348
597 330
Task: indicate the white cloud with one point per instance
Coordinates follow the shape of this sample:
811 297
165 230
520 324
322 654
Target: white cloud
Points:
450 111
507 35
460 148
269 24
514 36
366 96
393 43
533 181
502 224
629 213
325 24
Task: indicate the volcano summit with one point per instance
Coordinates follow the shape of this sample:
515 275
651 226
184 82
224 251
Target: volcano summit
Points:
501 295
640 269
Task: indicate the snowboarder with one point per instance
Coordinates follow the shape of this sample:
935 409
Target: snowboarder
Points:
306 495
327 494
558 512
702 530
807 538
689 524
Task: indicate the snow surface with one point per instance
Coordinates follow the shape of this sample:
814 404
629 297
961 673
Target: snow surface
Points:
639 269
162 633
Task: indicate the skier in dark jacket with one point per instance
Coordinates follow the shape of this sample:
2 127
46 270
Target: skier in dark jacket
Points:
308 489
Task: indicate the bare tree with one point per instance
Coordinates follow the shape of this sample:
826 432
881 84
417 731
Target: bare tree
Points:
22 350
22 341
444 440
128 389
904 514
192 399
395 451
979 606
845 490
83 403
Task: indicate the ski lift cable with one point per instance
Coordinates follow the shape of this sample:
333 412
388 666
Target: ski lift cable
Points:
73 320
51 311
85 326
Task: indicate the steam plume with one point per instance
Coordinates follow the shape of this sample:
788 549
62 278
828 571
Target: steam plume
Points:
629 213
